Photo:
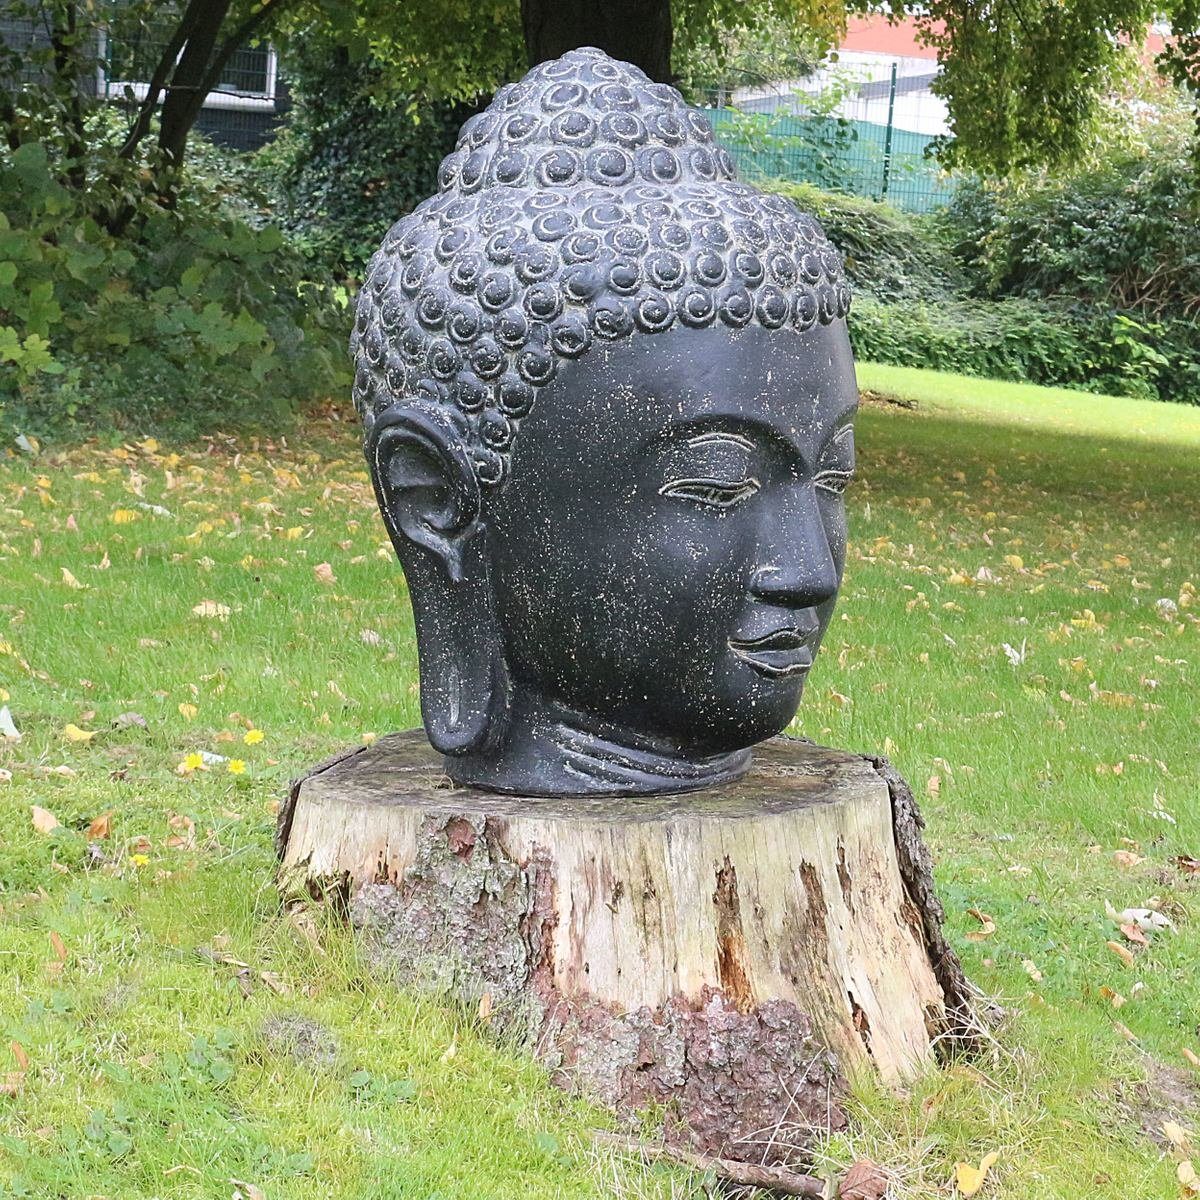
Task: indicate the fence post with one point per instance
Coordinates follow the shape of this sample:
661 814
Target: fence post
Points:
887 137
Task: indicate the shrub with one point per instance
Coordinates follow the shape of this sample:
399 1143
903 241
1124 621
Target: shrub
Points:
1123 234
354 157
197 321
894 255
1093 349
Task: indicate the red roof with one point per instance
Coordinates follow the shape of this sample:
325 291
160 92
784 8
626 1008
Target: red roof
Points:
875 34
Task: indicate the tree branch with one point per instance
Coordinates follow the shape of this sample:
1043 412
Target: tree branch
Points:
63 36
158 79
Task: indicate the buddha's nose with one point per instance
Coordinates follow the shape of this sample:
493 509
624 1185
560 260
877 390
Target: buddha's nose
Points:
796 566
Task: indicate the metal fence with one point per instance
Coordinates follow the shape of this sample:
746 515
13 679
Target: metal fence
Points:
243 110
863 136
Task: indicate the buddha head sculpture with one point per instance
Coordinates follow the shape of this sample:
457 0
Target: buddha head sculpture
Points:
608 394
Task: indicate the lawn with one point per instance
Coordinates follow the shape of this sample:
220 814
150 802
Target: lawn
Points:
184 628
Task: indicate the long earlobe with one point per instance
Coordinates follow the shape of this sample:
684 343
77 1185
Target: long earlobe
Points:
430 501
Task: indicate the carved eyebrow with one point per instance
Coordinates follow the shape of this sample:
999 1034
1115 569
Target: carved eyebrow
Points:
707 439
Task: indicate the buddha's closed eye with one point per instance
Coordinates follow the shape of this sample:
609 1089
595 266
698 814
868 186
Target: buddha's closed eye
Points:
720 475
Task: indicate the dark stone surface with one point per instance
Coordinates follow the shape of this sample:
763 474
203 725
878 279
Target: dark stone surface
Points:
608 395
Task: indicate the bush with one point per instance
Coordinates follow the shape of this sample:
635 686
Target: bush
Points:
1091 349
199 320
1124 234
893 255
354 157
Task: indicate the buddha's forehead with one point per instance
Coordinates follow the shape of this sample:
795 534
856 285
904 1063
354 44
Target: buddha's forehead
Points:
797 387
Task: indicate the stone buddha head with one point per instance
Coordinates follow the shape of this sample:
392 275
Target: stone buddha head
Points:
607 393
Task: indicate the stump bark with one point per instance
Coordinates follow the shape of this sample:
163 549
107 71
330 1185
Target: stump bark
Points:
731 955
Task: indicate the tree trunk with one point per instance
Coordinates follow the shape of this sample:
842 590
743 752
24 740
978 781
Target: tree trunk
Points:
729 956
637 31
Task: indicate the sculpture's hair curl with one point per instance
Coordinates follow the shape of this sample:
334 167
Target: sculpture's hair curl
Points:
586 203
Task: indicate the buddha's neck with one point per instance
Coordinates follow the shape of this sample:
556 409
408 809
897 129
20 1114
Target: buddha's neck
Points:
548 750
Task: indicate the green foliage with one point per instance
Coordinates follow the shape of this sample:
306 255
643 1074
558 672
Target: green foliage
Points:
1098 350
355 157
894 255
201 320
1124 233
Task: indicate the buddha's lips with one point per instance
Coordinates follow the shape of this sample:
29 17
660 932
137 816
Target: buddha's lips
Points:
780 652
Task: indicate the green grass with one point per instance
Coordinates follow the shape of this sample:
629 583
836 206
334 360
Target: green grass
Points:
152 1067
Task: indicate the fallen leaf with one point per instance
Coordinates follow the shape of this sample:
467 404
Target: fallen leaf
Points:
865 1180
1187 864
128 720
1175 1134
485 1007
44 821
1121 952
71 581
210 608
58 945
450 1051
1188 1179
987 926
74 734
1114 998
18 1052
1134 934
246 1191
1192 1057
188 711
324 573
1031 970
970 1179
1126 859
99 827
1125 1031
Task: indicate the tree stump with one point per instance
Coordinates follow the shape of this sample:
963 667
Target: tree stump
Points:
731 955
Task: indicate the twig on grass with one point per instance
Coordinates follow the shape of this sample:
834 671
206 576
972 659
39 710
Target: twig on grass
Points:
775 1179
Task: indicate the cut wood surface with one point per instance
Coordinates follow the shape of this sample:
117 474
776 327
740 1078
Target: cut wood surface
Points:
731 953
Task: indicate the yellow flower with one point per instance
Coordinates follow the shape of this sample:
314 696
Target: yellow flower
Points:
236 767
193 762
253 737
139 860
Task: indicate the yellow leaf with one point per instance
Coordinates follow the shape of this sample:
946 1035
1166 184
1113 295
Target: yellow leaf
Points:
124 516
1175 1134
44 821
71 581
210 608
1121 952
1015 561
188 711
74 734
970 1179
150 445
294 533
1192 1057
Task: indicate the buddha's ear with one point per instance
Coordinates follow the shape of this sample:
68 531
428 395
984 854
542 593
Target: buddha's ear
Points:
430 500
425 481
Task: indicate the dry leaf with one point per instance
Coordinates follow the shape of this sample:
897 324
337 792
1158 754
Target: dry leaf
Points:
1114 998
324 573
246 1191
71 581
44 821
1176 1135
11 1083
1188 1179
1192 1057
485 1007
1031 970
970 1179
210 608
1135 935
986 929
188 711
450 1051
865 1180
19 1054
8 728
73 733
1125 859
1125 1031
1187 864
58 945
99 828
1121 952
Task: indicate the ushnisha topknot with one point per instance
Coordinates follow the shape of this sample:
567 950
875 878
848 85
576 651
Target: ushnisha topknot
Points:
585 204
